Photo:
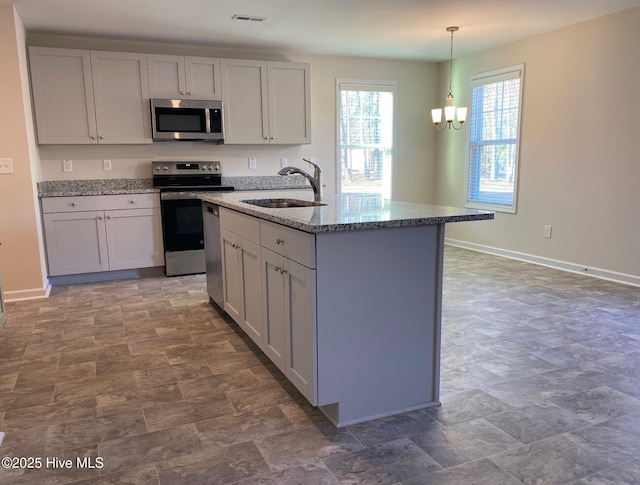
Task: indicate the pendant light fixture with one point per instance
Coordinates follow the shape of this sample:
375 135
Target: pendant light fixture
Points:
450 111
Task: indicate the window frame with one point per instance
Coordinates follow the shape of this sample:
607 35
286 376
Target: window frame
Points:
364 85
484 78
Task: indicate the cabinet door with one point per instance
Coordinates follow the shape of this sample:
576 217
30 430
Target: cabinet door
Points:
244 88
300 325
202 76
289 103
134 238
231 275
251 315
62 90
166 76
121 92
76 242
273 302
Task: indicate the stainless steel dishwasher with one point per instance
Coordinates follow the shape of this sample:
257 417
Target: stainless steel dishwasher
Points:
213 251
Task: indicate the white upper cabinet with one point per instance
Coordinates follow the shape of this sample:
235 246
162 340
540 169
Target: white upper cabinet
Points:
62 90
89 97
266 102
121 91
184 77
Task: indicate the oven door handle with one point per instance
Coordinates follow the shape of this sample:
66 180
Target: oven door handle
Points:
168 195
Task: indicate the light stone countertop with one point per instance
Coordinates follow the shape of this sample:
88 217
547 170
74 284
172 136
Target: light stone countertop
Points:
345 212
73 188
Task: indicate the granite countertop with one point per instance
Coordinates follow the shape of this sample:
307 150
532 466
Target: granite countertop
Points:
73 188
345 212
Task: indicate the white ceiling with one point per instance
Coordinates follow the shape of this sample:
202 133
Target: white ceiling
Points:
403 29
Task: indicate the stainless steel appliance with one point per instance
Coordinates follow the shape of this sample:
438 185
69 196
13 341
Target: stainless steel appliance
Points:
213 251
180 183
187 119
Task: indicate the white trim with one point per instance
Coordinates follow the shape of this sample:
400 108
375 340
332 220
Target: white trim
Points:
600 273
31 294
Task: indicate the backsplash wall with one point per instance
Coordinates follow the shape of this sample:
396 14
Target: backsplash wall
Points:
134 161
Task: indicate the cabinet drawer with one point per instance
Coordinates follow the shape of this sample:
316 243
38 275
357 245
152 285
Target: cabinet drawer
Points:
240 224
296 245
100 202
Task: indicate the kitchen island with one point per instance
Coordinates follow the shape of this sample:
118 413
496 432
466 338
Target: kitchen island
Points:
345 298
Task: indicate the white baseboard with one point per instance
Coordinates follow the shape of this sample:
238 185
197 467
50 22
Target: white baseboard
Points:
31 294
604 274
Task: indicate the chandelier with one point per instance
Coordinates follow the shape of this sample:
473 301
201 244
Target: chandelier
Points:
450 111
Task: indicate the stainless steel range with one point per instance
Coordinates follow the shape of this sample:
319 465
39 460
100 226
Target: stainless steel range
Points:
182 231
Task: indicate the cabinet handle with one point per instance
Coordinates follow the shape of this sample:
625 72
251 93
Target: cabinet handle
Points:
283 271
131 202
93 137
101 137
73 204
190 93
272 138
183 93
279 241
99 218
108 217
278 269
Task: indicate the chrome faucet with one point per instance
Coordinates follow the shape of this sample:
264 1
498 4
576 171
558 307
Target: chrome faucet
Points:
315 180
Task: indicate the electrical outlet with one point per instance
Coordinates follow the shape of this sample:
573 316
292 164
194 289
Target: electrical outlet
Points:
6 165
547 231
67 165
284 162
252 163
106 164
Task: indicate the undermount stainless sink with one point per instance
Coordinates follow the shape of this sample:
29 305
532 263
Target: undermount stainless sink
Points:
282 203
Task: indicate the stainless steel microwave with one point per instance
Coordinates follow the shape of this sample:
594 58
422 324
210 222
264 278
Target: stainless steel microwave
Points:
187 119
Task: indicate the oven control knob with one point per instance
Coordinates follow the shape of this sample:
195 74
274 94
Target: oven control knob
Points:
165 167
158 168
209 168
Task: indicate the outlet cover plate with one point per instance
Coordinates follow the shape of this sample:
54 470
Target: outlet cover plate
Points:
6 165
67 165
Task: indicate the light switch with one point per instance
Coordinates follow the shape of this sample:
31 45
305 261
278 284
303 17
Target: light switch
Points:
6 165
67 165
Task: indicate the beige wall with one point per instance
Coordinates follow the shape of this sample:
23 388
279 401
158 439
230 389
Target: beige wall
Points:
21 260
413 176
579 152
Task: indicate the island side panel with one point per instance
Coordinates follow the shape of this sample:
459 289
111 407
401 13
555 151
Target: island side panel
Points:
378 307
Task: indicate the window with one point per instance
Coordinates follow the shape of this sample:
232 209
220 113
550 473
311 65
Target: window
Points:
496 102
365 137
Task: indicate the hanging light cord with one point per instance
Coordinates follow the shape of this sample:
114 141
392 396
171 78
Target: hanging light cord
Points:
451 57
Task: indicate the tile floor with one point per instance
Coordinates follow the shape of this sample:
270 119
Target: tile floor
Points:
540 384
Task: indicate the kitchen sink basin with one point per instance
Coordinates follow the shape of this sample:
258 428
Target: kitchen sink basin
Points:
282 203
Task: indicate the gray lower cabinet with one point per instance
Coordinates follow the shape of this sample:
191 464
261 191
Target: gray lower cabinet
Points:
241 282
270 295
352 318
102 233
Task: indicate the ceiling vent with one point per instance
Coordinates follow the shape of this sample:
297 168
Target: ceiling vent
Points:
249 18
